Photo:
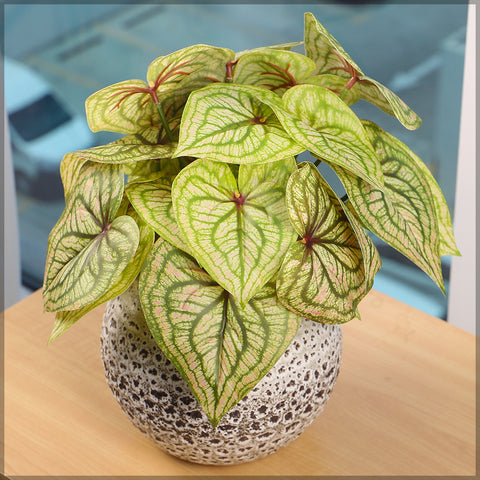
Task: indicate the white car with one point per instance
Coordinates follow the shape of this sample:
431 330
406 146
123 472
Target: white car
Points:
42 128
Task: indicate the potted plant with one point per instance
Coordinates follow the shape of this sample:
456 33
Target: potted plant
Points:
221 249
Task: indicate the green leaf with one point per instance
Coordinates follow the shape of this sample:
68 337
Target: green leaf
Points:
322 276
132 105
404 215
319 121
65 319
124 107
322 47
379 95
221 349
331 58
279 46
88 247
238 231
227 123
276 70
153 202
189 69
126 150
336 85
371 258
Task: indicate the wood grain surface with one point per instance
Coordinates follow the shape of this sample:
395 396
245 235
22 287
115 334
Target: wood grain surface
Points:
404 404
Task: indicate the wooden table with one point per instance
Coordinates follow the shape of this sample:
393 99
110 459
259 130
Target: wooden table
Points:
404 404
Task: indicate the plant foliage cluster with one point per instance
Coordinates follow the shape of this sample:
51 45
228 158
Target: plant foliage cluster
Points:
232 240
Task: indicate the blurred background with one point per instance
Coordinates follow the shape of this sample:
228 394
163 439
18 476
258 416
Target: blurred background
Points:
57 55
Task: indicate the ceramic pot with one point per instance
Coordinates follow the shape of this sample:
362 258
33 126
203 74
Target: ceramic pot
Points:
160 404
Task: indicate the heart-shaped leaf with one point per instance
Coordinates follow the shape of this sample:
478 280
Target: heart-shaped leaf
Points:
335 84
153 202
319 121
126 150
89 246
221 348
379 95
279 46
238 230
323 275
331 58
189 69
276 70
404 214
64 320
132 105
124 107
227 123
322 47
371 258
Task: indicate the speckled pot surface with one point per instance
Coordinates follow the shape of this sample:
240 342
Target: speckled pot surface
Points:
159 402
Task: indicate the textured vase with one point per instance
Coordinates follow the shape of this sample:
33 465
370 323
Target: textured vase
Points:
160 404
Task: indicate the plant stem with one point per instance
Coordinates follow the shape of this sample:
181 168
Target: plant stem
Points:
165 122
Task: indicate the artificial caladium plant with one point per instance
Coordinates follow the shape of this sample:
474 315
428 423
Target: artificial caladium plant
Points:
231 238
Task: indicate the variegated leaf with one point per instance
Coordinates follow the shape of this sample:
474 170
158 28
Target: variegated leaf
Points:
124 107
65 319
331 58
91 273
322 276
238 231
404 215
70 168
125 150
276 70
319 121
379 95
227 123
279 46
371 258
221 348
322 47
335 84
153 202
189 69
133 105
87 233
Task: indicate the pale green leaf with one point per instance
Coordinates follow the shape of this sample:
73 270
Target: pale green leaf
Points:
280 46
322 47
323 275
379 95
126 150
336 85
238 231
188 69
221 348
227 123
86 228
371 258
403 215
70 168
153 202
65 319
91 273
331 58
319 121
276 70
124 107
132 105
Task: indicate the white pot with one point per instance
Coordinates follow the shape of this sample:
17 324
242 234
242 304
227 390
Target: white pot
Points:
159 402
